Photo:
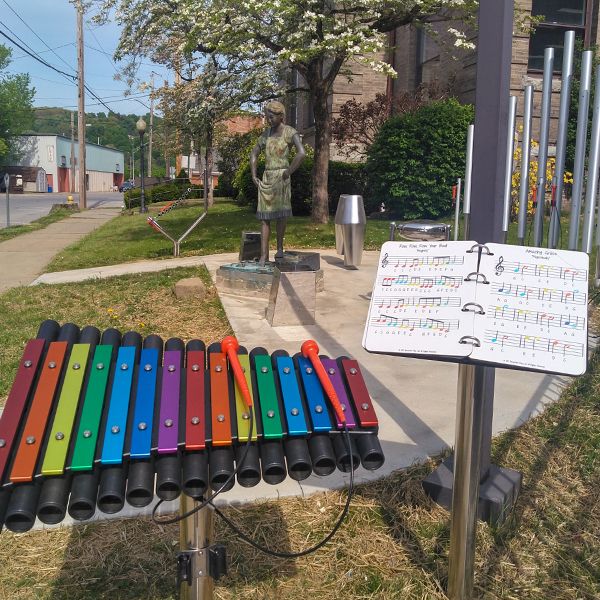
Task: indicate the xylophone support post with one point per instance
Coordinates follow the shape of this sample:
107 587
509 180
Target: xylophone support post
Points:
199 561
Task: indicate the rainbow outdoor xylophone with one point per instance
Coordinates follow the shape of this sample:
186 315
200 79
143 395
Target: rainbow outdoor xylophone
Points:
97 420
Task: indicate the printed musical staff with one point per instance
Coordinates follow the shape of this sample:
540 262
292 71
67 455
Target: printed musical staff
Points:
431 299
547 271
421 261
441 325
533 342
421 282
422 301
540 294
542 319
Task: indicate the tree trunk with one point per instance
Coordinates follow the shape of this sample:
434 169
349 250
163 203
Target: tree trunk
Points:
208 169
320 173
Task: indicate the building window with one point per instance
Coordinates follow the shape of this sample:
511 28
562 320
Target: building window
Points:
559 17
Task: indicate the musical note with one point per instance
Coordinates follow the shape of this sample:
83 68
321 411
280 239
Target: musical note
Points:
517 268
499 268
385 261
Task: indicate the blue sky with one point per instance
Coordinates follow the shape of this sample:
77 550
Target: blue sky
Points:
54 21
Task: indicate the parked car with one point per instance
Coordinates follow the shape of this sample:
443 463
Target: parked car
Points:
126 185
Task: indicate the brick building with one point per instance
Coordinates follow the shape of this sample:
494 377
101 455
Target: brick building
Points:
419 58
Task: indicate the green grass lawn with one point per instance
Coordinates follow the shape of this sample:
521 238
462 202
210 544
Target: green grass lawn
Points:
55 215
129 237
395 541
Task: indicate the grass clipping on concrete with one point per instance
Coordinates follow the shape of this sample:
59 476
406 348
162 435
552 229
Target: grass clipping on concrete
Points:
395 541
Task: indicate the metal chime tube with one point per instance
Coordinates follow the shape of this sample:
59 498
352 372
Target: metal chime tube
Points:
510 141
561 141
525 157
591 189
585 84
457 208
538 224
468 173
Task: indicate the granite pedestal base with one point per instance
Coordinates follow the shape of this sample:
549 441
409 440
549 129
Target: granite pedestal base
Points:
293 298
248 278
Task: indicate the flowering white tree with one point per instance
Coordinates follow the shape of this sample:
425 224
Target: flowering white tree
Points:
207 93
314 37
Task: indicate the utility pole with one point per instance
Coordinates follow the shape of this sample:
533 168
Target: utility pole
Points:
151 129
178 164
166 147
72 152
81 109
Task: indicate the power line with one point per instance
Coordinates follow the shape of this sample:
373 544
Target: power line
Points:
33 55
31 52
36 35
43 51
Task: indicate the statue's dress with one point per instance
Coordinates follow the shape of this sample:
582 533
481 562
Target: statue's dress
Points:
275 194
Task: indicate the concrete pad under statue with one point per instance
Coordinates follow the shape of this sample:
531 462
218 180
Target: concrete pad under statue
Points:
248 278
293 297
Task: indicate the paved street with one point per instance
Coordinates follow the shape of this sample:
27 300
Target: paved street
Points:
25 208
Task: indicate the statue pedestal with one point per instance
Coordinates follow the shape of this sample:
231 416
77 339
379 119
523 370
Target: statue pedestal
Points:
248 278
293 298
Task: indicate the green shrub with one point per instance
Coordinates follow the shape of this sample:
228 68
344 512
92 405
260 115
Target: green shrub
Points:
163 192
416 158
233 151
346 178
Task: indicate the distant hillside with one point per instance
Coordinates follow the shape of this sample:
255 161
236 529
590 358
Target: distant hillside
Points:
112 129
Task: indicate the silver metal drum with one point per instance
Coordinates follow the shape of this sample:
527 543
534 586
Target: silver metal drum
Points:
350 225
423 231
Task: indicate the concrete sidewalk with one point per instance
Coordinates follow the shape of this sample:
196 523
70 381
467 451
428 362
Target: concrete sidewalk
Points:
24 257
415 399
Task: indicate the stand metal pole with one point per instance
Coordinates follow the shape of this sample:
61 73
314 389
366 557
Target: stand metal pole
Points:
196 534
465 492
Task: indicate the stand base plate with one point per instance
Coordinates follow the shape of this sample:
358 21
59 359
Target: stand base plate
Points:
497 492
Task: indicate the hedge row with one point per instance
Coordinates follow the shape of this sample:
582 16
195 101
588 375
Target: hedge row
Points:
159 193
344 178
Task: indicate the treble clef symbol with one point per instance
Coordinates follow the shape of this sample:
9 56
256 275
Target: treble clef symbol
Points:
385 261
499 268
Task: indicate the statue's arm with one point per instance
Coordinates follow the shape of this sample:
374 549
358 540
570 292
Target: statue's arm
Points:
253 160
300 154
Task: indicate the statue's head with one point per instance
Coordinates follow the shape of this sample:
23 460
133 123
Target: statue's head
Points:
274 112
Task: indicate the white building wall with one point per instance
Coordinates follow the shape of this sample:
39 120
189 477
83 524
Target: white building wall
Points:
99 181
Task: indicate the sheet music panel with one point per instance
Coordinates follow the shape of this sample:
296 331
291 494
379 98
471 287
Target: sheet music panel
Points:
498 304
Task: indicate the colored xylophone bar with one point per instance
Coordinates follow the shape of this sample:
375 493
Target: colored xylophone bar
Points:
94 420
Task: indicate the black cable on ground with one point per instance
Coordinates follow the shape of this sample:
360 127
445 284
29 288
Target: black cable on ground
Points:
280 554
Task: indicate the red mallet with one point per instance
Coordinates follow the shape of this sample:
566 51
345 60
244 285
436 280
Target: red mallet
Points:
229 346
310 350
